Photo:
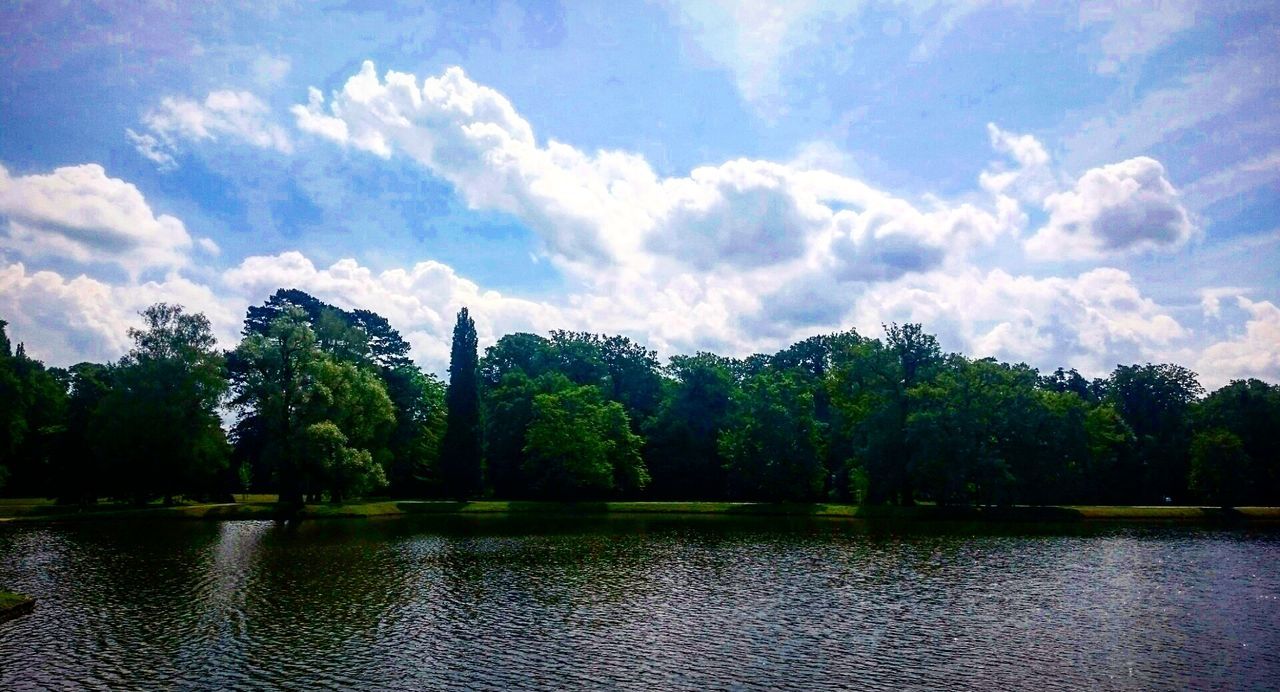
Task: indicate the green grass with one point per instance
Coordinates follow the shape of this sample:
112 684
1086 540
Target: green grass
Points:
264 507
9 600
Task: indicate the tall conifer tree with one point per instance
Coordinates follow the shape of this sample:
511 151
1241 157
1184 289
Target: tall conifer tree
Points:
460 450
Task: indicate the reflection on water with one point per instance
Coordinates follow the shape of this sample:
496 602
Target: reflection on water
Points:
489 603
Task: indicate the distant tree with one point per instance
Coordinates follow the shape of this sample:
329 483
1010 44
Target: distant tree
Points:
1250 410
1111 442
274 374
80 465
772 446
418 399
955 430
682 452
527 354
1219 467
460 453
1155 400
508 414
32 409
579 445
160 420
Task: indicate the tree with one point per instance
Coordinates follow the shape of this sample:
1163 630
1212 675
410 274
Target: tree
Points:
273 374
772 447
1111 442
1219 467
160 419
1250 410
460 452
578 445
1155 400
343 469
418 399
322 423
682 451
79 463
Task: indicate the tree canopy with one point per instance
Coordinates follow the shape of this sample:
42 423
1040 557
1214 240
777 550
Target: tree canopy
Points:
327 404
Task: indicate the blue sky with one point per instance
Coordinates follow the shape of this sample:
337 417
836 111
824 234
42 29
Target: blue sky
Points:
1056 183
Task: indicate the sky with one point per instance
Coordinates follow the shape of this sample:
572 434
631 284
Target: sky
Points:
1061 184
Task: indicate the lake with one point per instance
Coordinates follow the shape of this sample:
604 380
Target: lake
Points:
640 603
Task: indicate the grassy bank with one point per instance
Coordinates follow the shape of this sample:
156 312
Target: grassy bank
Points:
264 507
13 605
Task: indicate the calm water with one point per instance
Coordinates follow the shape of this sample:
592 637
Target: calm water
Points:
641 604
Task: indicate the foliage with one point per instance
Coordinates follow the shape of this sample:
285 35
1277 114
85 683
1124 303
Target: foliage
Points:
330 406
159 424
772 447
460 452
579 445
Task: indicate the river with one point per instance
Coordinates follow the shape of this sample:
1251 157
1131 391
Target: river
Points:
642 603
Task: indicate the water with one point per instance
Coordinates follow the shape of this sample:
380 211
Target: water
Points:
637 604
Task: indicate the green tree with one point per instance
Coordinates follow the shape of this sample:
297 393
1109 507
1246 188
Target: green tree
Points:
460 453
579 445
344 470
80 464
418 399
1250 410
864 387
273 374
1155 400
160 419
1219 467
682 451
1111 442
772 447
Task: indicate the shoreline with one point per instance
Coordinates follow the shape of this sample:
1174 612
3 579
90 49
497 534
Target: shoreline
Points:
12 511
14 605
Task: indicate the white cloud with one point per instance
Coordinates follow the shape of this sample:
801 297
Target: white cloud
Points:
1032 180
1255 353
1091 322
1211 299
152 149
238 115
78 213
421 302
1135 29
68 320
1119 208
1236 179
596 212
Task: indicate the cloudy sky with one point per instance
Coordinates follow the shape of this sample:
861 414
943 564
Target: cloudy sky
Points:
1055 183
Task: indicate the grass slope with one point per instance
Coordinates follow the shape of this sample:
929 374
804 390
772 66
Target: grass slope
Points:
263 507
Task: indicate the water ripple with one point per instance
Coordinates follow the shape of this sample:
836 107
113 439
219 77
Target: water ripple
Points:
640 604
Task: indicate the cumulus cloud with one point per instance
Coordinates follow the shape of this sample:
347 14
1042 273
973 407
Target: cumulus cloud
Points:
421 302
1119 208
1211 299
1091 321
1031 180
610 208
67 320
79 213
237 115
1255 353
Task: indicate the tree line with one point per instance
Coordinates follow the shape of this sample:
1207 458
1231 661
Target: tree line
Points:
317 403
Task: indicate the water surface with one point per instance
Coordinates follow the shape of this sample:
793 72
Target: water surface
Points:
638 604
